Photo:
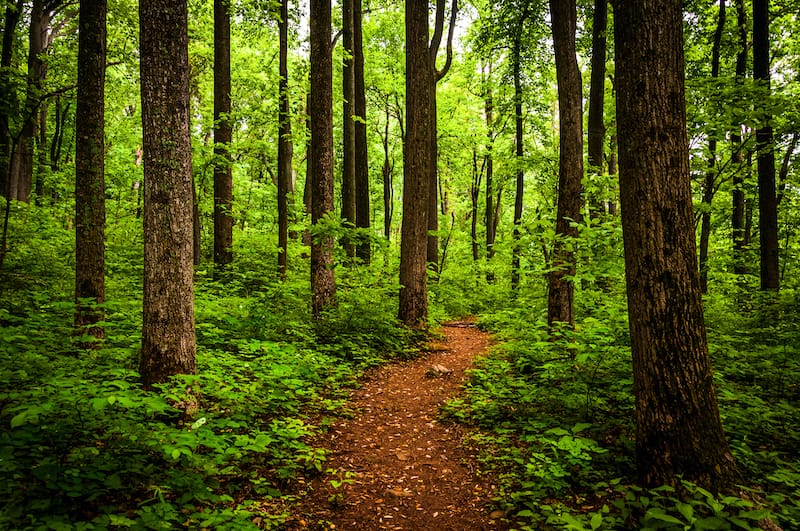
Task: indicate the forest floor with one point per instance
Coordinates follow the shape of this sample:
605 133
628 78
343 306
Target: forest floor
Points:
401 466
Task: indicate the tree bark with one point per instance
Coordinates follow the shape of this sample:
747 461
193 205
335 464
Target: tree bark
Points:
711 172
491 220
168 336
361 147
597 90
21 174
738 215
284 140
323 282
223 134
348 127
519 152
570 168
9 103
90 206
767 199
678 428
413 309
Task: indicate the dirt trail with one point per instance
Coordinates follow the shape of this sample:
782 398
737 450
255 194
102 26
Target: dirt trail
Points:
407 470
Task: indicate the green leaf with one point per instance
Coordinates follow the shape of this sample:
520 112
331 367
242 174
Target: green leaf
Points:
19 419
175 454
657 513
596 521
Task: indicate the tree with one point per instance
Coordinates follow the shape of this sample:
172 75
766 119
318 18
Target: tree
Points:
223 134
519 149
413 309
597 89
8 103
709 183
348 126
168 336
90 206
570 167
678 427
767 200
740 235
284 139
323 282
433 150
361 146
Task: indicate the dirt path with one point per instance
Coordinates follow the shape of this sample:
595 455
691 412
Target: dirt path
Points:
407 470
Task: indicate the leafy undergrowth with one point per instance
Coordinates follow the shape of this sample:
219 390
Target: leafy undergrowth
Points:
557 420
84 447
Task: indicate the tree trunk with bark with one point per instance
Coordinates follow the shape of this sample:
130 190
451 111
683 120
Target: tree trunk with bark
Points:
323 282
284 140
678 428
413 309
519 152
710 181
348 127
8 100
570 168
765 147
223 134
90 205
168 335
597 90
491 218
363 212
738 215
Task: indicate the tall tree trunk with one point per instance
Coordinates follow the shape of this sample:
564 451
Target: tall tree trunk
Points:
433 152
767 200
413 309
475 191
8 100
223 134
519 152
348 127
323 282
597 90
738 217
491 220
678 428
570 168
90 206
284 140
168 336
709 183
386 171
361 147
22 165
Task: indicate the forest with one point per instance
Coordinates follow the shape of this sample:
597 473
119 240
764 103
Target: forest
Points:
223 219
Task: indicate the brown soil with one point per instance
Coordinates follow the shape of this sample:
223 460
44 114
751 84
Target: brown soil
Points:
407 468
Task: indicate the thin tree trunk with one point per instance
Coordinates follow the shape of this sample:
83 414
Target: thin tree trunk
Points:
678 428
738 216
348 128
519 152
413 308
168 334
475 191
90 206
361 147
223 134
491 222
323 282
284 141
767 200
13 13
570 169
711 172
386 171
597 90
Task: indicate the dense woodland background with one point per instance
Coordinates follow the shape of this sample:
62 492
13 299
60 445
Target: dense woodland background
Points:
293 286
